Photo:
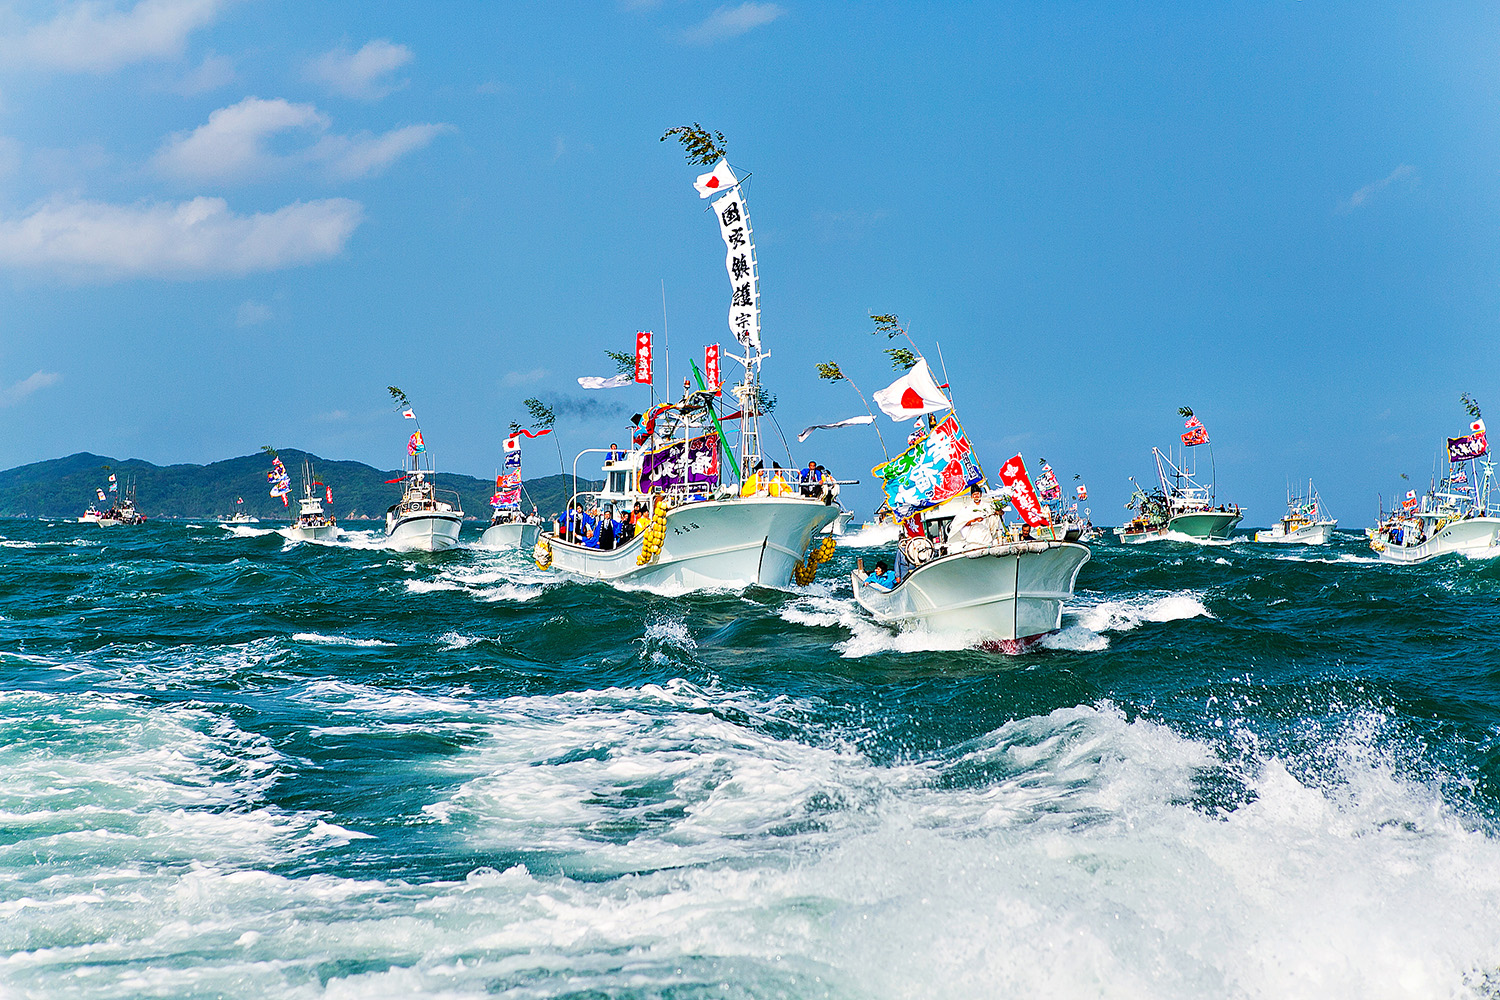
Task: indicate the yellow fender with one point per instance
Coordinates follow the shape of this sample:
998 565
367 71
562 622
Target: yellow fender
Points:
655 534
805 570
542 554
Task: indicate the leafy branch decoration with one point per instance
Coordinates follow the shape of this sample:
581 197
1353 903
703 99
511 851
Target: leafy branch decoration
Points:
703 147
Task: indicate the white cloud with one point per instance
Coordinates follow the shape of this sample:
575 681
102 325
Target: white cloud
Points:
214 72
94 241
366 74
31 383
234 144
1367 192
731 22
511 379
252 313
96 36
360 155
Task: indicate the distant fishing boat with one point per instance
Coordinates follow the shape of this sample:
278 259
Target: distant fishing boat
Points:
1454 514
123 510
509 528
1181 508
425 518
313 523
90 516
1306 522
239 516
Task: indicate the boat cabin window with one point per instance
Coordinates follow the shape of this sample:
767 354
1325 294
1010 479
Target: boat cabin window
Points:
617 481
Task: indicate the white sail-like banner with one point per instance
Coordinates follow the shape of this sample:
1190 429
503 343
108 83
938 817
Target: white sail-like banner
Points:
739 261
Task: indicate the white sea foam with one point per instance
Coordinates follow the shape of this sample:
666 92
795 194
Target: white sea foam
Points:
687 838
336 640
1132 612
866 636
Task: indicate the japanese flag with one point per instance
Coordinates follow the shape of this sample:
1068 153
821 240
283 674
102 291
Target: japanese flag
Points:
912 395
1476 427
716 181
513 443
408 414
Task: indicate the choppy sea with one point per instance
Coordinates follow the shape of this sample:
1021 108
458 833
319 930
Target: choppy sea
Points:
236 766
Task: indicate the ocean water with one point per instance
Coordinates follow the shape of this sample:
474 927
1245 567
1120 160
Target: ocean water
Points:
237 766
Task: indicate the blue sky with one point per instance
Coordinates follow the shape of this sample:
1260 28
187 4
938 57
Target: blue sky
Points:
227 223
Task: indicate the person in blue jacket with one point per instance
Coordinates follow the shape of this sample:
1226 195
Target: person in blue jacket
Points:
883 578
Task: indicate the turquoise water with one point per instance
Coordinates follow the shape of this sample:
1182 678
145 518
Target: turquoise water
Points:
237 766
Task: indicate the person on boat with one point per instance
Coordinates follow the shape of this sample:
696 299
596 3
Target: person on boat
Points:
614 455
605 530
809 479
883 578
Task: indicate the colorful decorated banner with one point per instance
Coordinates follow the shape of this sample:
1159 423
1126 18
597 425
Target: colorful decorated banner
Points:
114 484
100 492
281 483
691 462
1462 449
711 367
739 261
939 466
1023 497
1410 503
1196 433
643 356
1047 485
415 444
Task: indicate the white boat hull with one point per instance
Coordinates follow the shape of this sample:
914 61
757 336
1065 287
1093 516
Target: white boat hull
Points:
840 525
313 533
1477 537
1013 591
511 536
425 532
733 543
1309 534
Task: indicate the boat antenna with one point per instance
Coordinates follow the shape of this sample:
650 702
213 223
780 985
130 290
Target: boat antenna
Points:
666 354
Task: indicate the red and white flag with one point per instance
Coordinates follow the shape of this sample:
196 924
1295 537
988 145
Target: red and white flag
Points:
1477 427
408 414
716 181
1023 497
643 356
329 491
711 367
912 395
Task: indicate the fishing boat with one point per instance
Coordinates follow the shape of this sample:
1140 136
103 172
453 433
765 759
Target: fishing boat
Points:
425 518
1181 508
1452 517
240 517
683 508
313 523
970 574
959 567
1306 522
667 518
840 524
509 527
123 510
90 516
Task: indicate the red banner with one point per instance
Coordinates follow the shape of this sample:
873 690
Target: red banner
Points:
711 366
643 356
1198 435
1013 474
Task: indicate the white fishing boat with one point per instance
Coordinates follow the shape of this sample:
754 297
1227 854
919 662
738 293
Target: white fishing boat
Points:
668 515
1452 517
123 510
313 522
1181 509
240 517
971 574
425 518
509 528
840 525
1306 522
90 516
664 519
959 568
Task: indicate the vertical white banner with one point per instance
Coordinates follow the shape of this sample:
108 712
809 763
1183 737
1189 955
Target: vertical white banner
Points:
739 261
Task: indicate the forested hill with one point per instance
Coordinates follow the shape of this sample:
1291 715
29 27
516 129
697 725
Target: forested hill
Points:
64 487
